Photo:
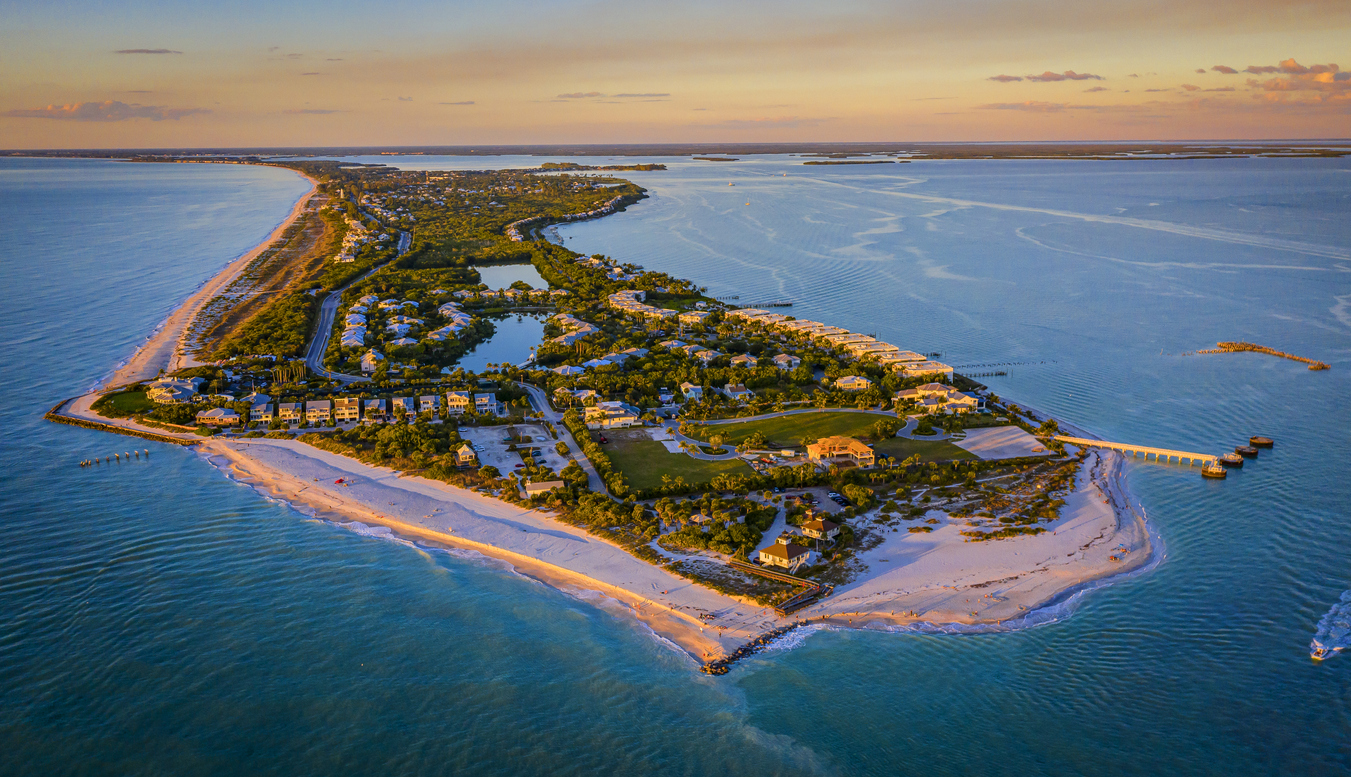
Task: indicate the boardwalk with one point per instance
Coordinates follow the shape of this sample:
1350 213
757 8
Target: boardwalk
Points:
1159 454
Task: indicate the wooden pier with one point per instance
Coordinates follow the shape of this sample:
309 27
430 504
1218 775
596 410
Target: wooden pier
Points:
812 590
1314 364
1159 454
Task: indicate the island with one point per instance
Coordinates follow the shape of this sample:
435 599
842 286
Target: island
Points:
722 474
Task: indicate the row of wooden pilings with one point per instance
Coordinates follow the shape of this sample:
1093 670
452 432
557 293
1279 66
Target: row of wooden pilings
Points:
116 458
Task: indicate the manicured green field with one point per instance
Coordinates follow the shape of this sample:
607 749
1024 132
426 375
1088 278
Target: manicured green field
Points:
901 449
643 462
124 404
790 430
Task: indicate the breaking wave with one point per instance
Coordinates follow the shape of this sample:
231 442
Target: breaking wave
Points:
1334 630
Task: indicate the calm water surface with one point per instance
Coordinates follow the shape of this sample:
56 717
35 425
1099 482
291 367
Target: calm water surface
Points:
158 618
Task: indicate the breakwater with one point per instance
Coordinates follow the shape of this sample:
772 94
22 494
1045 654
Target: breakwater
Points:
1226 347
723 665
55 415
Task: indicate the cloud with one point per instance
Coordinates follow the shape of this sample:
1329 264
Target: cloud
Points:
1003 79
1158 90
311 111
1229 71
1068 75
1133 75
1220 89
1191 87
579 95
108 110
1201 70
1096 89
333 59
312 73
461 102
1031 106
1328 81
148 51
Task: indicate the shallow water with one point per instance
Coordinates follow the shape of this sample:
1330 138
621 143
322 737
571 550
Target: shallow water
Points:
156 617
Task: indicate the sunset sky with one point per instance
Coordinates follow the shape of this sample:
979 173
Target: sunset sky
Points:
244 73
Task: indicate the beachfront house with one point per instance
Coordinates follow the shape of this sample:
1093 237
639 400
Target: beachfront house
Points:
430 403
171 391
820 529
611 415
840 450
457 402
853 383
937 398
375 410
218 416
786 554
401 407
290 412
786 361
692 392
926 368
318 411
347 409
465 456
542 487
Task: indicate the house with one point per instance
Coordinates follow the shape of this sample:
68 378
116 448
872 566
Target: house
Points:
744 360
786 361
596 363
263 412
347 409
914 369
737 392
430 403
707 356
487 404
170 391
218 416
568 370
458 402
853 383
692 392
465 456
289 412
611 415
820 529
837 449
318 410
370 361
402 341
402 406
786 554
665 396
543 487
694 316
938 398
375 410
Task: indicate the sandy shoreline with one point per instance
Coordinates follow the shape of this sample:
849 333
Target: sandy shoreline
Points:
165 348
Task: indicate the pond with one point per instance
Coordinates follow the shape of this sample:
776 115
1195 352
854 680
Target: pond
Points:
516 335
500 276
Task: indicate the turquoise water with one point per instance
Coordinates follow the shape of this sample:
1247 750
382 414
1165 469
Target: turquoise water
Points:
156 618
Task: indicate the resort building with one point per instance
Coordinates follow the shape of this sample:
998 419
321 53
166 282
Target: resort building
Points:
853 383
787 361
458 402
318 411
898 359
694 316
218 416
631 301
786 554
611 415
347 409
835 450
914 369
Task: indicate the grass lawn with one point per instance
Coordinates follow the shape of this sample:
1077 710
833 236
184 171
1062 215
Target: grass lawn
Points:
123 404
643 461
790 430
928 450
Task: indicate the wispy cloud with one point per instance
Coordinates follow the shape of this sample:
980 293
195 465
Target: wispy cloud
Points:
108 110
1220 89
311 111
312 73
1229 71
148 51
579 95
1201 70
1030 106
1096 89
1003 79
646 96
1068 75
1191 87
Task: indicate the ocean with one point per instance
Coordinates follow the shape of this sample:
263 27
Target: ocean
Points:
157 617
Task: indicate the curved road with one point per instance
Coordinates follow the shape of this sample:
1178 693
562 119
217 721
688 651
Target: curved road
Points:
540 401
314 357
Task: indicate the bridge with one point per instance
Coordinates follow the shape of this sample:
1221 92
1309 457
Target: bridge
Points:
1159 454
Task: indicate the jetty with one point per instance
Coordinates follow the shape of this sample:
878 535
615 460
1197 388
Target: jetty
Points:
1159 454
1314 364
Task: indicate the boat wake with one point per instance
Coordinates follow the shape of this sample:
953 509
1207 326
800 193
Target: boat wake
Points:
1334 630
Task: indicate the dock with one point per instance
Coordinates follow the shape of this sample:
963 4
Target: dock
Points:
811 590
1159 454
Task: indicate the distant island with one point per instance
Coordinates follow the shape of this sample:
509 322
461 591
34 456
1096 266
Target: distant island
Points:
727 473
854 161
573 166
715 159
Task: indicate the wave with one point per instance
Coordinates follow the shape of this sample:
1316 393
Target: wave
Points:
1334 630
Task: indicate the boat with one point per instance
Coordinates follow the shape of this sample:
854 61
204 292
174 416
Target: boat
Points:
1213 469
1231 460
1246 451
1261 442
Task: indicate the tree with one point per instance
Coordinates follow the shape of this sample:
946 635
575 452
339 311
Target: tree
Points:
715 441
489 472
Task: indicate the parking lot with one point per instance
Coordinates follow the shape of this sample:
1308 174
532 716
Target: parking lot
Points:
491 443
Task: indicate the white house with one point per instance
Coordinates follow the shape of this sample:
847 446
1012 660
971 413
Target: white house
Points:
853 383
458 402
691 391
218 416
611 415
786 554
737 392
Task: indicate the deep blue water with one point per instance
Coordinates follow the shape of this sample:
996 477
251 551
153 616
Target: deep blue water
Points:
156 618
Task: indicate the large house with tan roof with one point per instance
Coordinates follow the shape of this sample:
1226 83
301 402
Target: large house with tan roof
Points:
786 554
840 449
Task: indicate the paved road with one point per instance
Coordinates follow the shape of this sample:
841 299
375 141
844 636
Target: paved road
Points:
540 401
314 357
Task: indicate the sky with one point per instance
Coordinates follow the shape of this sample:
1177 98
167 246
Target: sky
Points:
238 73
